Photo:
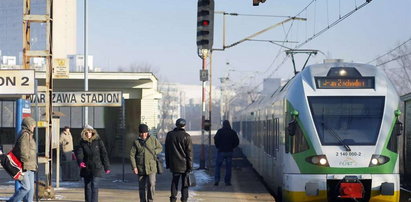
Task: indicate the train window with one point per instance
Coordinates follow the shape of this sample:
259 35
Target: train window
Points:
248 130
351 120
267 139
276 136
254 131
393 143
298 141
264 136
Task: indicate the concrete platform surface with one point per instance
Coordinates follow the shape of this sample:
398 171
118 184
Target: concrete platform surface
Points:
246 185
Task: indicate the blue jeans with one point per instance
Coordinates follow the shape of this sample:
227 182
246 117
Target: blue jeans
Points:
26 190
228 157
91 189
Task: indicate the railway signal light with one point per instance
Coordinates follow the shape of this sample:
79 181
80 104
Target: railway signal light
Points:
256 2
205 24
207 125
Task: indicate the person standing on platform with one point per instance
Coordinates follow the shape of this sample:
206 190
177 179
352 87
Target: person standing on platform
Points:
225 140
66 144
25 150
93 160
143 156
179 159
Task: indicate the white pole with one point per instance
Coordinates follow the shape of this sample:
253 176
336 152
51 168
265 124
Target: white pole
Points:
85 61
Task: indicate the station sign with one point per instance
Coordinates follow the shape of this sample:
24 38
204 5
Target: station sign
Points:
81 99
16 81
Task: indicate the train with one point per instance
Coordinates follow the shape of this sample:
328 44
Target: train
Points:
329 134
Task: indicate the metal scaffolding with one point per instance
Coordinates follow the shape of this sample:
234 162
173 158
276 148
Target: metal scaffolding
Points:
28 19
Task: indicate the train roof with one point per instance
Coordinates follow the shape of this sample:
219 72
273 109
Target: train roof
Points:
316 70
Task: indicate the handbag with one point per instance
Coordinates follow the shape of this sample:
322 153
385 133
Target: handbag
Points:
191 179
159 161
12 165
160 168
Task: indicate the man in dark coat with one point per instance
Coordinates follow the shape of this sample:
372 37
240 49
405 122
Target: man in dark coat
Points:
179 158
225 140
93 160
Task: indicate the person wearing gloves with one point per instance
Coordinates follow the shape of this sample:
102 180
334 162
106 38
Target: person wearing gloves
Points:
93 160
25 150
143 156
179 158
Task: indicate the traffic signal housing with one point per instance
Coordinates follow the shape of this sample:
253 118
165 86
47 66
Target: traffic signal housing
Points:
257 2
207 125
205 24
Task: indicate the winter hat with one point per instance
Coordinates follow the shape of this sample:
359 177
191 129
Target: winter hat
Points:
29 122
180 122
88 127
142 128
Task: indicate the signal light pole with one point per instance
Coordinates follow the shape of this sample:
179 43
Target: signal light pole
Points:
205 32
203 79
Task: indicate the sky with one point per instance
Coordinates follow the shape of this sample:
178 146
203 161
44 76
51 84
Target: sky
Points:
162 34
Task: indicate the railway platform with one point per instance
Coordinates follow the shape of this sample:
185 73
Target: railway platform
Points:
246 185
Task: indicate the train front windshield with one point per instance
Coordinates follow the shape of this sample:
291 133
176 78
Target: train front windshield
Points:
351 120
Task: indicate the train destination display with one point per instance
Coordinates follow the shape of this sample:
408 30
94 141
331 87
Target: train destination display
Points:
332 83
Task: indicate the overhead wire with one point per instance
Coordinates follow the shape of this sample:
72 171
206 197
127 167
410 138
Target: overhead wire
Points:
333 24
390 51
393 59
308 39
314 36
281 48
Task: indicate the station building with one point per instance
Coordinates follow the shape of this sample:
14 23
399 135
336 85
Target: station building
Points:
141 105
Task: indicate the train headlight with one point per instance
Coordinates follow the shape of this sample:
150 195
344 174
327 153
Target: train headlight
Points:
323 161
342 72
320 160
374 161
377 160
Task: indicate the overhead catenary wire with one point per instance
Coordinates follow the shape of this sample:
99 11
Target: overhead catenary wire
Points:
281 48
394 59
329 26
255 15
389 52
333 24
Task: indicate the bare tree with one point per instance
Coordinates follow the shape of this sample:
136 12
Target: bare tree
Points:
139 67
397 66
167 112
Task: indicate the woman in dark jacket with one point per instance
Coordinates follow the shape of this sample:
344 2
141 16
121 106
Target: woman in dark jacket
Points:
93 160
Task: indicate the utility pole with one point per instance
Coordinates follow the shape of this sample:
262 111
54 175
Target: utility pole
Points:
210 106
85 61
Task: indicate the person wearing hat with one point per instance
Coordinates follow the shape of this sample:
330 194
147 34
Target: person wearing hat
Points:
93 160
143 156
179 158
66 144
25 150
